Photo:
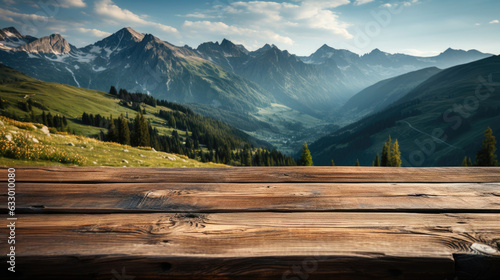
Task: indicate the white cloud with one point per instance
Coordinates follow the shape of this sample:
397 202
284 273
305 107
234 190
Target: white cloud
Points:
110 11
198 15
254 23
325 4
95 32
494 21
69 3
33 24
214 29
409 3
398 4
421 53
23 16
57 29
362 2
310 16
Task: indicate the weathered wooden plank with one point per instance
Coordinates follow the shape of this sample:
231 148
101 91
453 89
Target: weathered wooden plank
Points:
255 234
224 245
234 197
331 217
257 175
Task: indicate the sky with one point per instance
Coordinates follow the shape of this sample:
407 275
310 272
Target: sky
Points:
416 27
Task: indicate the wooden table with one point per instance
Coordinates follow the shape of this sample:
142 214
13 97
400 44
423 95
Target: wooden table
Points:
255 223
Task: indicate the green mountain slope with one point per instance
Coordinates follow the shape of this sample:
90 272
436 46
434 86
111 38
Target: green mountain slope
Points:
59 99
69 101
52 149
436 124
382 94
172 127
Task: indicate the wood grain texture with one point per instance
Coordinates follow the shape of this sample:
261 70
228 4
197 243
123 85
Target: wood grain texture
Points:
403 241
256 235
255 223
257 175
252 197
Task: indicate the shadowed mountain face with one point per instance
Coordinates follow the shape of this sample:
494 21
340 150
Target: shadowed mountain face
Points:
382 94
438 122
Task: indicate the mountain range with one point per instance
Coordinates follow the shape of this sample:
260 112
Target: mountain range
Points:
270 93
224 74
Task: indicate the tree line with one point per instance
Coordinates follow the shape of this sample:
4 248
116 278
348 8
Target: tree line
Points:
391 155
57 122
204 139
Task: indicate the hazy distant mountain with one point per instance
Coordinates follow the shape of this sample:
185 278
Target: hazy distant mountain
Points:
342 57
307 87
390 65
384 93
437 123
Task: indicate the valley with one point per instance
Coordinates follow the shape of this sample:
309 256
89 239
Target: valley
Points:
342 103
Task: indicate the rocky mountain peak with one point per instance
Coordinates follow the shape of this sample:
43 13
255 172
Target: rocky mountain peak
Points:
9 32
123 38
134 34
54 43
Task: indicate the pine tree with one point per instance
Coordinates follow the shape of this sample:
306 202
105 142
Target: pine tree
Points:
32 116
333 163
464 162
247 155
305 157
357 162
395 155
123 131
386 153
469 162
141 131
112 131
486 155
44 118
113 91
50 120
376 161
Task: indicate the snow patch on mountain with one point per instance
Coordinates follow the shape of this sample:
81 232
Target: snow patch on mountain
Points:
95 49
58 58
83 57
98 69
12 43
73 74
